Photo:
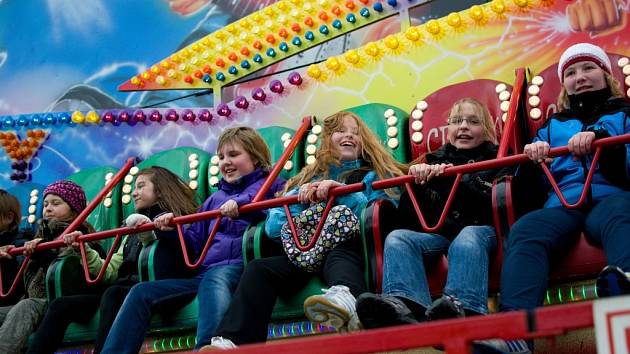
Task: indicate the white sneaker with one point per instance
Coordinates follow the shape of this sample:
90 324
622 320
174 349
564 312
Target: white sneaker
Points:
516 346
218 343
335 308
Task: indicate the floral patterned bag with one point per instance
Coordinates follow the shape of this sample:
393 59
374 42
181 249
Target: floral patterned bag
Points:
341 225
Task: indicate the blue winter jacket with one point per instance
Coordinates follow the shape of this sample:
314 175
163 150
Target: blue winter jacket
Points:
355 201
611 120
226 247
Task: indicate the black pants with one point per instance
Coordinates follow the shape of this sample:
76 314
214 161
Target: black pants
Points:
78 308
265 279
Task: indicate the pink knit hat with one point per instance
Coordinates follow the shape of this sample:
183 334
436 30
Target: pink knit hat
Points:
70 192
583 52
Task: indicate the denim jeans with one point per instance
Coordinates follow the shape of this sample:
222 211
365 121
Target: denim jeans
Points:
543 234
214 293
408 253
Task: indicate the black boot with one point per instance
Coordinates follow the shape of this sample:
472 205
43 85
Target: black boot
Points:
612 281
377 311
445 307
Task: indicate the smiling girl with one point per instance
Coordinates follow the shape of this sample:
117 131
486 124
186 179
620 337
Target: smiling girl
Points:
467 236
244 161
349 153
592 108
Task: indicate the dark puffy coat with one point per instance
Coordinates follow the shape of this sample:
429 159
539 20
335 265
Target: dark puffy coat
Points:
473 201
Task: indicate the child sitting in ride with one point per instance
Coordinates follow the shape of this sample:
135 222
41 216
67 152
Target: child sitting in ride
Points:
63 201
157 191
467 236
349 153
244 161
592 107
10 235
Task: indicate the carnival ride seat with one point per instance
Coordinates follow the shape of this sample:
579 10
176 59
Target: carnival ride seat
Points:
157 260
389 124
428 131
585 259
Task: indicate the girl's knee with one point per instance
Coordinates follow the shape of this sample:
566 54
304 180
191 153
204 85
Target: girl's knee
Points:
397 238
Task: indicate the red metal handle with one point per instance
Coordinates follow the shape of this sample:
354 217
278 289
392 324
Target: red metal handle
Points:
447 205
18 276
318 230
206 247
101 272
587 182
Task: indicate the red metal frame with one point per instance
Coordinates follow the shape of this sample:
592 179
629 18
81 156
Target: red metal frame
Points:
456 336
334 192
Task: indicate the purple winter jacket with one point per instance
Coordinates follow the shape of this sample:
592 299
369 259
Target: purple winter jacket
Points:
226 247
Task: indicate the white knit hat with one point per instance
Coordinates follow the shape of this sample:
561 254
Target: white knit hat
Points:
583 52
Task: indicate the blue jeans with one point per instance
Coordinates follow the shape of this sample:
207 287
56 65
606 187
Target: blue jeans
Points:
551 232
214 294
407 253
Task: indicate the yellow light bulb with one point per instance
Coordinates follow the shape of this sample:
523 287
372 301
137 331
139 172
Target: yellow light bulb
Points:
391 42
93 117
333 64
476 13
372 49
412 34
314 71
433 27
78 117
352 56
454 20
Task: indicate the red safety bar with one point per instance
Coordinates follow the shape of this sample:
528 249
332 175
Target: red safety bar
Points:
334 192
447 205
587 183
77 221
288 152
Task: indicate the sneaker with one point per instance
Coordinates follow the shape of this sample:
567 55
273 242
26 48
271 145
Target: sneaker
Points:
492 346
377 311
218 343
445 307
335 308
612 281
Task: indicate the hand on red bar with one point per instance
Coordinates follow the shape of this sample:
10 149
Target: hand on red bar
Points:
29 246
71 239
320 189
4 251
229 208
580 144
423 172
162 222
538 152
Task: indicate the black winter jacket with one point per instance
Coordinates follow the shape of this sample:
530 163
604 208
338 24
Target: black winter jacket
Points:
473 201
